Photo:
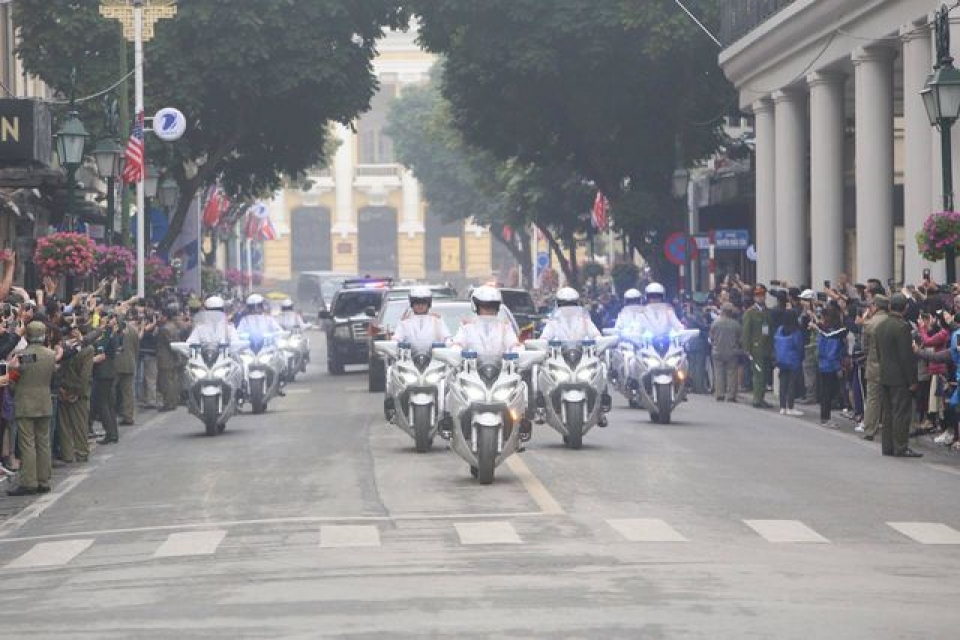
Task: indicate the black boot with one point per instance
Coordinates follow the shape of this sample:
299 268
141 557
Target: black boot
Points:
606 402
446 427
388 410
526 430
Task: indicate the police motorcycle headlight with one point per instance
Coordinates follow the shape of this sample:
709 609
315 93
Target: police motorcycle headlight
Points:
433 376
221 370
503 392
246 358
198 372
343 331
560 372
474 391
585 374
674 360
652 362
265 358
407 374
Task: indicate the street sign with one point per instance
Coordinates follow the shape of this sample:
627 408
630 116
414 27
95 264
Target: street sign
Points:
678 248
169 124
738 239
543 260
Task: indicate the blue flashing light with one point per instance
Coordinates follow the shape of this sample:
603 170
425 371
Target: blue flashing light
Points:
511 356
468 355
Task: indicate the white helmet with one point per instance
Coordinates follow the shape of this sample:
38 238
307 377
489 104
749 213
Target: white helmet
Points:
655 289
486 296
213 303
421 294
568 297
631 296
254 300
286 305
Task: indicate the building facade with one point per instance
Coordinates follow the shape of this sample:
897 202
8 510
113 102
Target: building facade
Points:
847 164
365 214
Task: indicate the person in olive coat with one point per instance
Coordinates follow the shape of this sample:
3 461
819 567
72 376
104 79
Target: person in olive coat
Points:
126 365
757 341
105 375
725 334
168 362
73 410
33 409
898 379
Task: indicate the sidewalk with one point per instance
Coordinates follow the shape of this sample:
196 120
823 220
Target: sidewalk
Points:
811 413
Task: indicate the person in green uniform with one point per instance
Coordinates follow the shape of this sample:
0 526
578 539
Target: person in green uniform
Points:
168 362
33 408
107 347
73 410
757 341
126 365
898 379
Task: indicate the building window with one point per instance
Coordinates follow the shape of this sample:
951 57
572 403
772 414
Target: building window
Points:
376 147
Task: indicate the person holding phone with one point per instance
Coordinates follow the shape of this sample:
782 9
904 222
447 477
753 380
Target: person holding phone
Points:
33 409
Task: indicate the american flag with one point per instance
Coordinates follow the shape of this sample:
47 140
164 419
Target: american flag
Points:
133 167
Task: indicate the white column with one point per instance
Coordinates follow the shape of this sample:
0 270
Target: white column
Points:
344 218
826 175
410 199
791 185
873 114
766 214
918 136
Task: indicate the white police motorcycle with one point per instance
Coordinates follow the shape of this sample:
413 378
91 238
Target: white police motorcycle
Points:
214 382
661 365
264 368
571 384
624 369
296 353
415 385
486 401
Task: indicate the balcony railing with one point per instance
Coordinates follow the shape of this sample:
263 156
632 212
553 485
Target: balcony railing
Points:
740 17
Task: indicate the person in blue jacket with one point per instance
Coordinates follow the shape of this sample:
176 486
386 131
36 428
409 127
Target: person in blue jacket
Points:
788 355
831 349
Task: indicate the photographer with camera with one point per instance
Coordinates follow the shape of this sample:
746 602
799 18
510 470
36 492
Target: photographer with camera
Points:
76 378
108 345
126 366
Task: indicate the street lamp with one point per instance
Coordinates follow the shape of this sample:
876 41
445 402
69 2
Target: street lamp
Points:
941 98
70 141
151 179
108 156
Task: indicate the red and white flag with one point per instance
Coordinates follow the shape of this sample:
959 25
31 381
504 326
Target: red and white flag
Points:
601 207
217 205
133 169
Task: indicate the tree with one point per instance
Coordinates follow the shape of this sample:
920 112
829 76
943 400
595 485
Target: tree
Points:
258 81
463 181
621 91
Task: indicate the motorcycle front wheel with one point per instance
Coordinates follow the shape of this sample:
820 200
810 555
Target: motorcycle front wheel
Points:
422 418
210 413
486 454
257 398
664 403
574 439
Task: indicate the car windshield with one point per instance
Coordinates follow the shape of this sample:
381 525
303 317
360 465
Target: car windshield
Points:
329 286
352 303
518 301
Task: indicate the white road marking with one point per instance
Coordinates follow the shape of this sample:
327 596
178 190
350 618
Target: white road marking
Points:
927 532
190 543
411 517
297 391
784 531
333 537
50 554
487 533
42 504
646 530
548 505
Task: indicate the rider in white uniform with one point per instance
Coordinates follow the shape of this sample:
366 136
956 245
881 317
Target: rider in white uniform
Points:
418 327
571 322
256 323
212 325
659 317
289 318
629 320
487 334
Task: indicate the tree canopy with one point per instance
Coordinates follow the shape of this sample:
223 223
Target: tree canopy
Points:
621 91
258 81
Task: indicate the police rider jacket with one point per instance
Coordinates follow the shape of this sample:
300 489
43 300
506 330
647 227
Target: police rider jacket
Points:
291 320
421 331
570 324
487 335
212 327
260 326
660 319
630 320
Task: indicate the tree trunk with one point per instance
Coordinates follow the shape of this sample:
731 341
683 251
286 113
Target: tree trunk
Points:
574 267
558 252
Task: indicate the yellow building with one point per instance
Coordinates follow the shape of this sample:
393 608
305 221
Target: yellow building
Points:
365 214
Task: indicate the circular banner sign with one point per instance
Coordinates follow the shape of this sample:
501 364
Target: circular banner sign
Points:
169 124
678 248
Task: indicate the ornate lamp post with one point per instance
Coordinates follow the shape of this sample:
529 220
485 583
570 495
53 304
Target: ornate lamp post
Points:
108 155
941 98
70 140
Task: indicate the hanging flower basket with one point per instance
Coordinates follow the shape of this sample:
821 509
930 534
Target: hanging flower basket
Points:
114 262
237 278
940 231
65 254
157 274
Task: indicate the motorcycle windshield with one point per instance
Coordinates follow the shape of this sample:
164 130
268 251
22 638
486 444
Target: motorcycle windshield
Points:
661 344
210 353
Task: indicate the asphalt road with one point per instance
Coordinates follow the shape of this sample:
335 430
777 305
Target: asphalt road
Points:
319 520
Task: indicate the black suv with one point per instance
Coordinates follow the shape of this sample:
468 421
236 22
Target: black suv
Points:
348 320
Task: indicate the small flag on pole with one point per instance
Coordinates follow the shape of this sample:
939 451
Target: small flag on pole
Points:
601 206
133 170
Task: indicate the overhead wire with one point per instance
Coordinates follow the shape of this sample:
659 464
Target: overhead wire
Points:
97 94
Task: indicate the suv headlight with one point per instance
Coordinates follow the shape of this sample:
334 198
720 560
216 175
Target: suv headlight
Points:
343 332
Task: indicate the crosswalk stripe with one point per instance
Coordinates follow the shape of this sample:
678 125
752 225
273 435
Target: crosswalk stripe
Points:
784 531
927 532
51 554
646 530
190 543
332 537
487 533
